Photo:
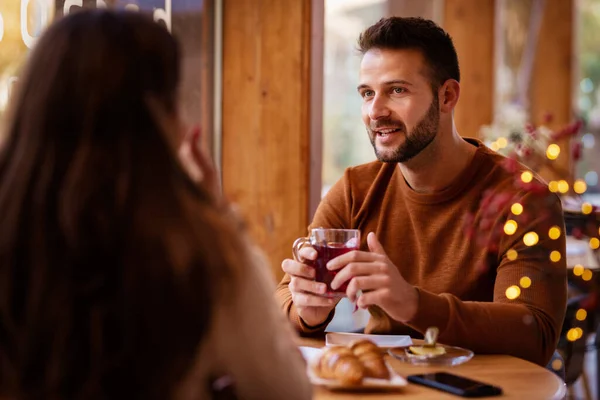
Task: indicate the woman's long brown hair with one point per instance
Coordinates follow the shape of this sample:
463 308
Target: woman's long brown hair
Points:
110 258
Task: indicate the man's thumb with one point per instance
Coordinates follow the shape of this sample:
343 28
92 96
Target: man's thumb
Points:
374 244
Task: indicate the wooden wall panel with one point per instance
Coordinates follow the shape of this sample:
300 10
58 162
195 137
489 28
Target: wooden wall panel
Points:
551 89
471 25
266 118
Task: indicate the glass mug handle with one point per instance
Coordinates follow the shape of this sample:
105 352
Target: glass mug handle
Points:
298 244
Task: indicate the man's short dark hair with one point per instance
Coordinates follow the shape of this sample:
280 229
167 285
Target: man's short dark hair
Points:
398 33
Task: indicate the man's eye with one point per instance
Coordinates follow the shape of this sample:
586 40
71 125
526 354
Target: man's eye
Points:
399 90
368 93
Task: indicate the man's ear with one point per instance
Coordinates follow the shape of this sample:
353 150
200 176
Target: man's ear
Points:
448 94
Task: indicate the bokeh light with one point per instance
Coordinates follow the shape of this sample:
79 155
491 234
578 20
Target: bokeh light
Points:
501 142
587 275
525 282
581 314
579 186
578 270
594 243
553 186
557 364
553 151
563 186
554 233
572 335
510 227
526 176
516 209
494 146
555 256
530 239
512 254
587 208
513 292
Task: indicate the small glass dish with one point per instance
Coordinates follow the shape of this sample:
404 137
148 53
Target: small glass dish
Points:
452 356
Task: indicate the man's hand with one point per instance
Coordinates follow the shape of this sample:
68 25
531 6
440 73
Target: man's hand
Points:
306 292
378 279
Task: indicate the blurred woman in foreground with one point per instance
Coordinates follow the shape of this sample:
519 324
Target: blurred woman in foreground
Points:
119 276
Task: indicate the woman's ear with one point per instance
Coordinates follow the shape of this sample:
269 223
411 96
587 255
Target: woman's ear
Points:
449 93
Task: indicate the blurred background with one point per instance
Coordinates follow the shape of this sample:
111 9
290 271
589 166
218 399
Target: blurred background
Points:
273 85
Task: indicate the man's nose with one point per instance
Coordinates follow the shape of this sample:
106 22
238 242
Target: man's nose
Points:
378 108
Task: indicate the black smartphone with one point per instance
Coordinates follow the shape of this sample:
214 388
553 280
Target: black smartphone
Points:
455 384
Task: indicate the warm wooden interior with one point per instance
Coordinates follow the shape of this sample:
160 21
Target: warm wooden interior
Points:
471 25
552 78
266 89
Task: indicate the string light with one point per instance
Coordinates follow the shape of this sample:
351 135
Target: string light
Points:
581 314
572 335
553 151
512 254
587 208
502 142
594 243
555 256
554 233
553 186
579 186
510 227
526 176
578 270
563 186
530 239
587 275
513 292
525 282
516 209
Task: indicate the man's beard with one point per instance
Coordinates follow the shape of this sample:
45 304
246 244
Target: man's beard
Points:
415 141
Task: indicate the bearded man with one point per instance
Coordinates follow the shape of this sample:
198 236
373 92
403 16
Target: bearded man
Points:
431 253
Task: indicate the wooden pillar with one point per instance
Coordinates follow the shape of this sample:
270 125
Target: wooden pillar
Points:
470 23
552 78
266 118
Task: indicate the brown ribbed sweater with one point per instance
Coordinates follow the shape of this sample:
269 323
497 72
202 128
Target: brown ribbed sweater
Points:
451 245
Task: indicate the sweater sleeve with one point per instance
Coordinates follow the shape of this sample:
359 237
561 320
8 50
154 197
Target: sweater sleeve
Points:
530 291
333 212
249 328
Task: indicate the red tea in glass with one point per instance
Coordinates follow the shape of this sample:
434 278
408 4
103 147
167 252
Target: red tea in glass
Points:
329 243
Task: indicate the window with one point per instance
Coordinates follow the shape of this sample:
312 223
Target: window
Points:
588 91
191 21
345 141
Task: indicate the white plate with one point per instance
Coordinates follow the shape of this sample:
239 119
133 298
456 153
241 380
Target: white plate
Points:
312 355
343 339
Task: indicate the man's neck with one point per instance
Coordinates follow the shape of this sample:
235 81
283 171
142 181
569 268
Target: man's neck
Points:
438 165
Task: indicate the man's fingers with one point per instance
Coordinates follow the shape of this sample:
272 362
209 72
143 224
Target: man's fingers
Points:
307 253
297 285
372 298
302 300
374 244
294 268
354 256
362 283
357 269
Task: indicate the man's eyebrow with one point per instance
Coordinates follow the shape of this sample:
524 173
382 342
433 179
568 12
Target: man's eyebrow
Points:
386 83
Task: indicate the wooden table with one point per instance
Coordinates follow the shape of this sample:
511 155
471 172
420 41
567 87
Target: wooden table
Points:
519 379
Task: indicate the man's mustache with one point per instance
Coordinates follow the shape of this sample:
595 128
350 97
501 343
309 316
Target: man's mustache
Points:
387 123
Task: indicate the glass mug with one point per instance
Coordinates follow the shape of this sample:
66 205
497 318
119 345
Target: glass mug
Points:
329 243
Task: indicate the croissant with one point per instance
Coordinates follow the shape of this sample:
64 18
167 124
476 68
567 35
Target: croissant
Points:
341 364
371 357
374 365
